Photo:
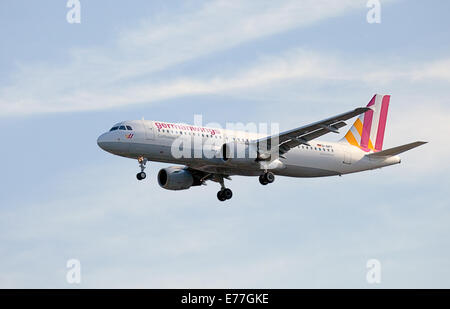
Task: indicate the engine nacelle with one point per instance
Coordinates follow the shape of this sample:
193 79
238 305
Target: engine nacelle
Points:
175 178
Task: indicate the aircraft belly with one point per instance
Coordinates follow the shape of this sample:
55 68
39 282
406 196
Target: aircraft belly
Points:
305 171
298 162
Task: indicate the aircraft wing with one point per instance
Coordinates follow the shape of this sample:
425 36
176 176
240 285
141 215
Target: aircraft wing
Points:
292 138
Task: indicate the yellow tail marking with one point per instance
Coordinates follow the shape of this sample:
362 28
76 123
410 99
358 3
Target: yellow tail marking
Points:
351 139
359 126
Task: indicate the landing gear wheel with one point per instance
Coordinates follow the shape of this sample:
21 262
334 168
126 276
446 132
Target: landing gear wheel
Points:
141 175
221 196
224 194
269 177
262 180
266 178
228 194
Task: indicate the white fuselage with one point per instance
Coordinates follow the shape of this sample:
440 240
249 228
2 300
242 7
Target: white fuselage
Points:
151 140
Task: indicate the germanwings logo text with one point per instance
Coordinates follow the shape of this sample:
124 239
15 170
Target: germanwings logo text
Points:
163 125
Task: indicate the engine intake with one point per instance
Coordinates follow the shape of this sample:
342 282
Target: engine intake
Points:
175 178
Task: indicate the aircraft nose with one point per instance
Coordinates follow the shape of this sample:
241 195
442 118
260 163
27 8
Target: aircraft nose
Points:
101 141
112 143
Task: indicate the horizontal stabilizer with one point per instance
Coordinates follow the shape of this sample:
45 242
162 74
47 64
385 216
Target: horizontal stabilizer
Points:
396 150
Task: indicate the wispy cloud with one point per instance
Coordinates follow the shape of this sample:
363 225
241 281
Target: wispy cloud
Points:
104 76
294 65
432 71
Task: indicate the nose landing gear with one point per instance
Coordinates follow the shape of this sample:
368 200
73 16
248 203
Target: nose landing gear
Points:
141 175
266 178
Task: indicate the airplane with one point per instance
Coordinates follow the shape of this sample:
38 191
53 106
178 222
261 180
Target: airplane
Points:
293 153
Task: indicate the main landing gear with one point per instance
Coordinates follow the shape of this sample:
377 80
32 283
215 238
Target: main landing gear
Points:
266 178
224 193
142 161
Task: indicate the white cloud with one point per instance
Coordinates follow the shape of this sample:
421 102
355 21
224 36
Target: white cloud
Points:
223 24
437 70
102 77
296 65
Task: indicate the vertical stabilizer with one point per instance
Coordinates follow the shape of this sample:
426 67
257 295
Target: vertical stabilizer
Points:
367 133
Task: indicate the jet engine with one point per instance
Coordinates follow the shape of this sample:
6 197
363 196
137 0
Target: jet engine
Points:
176 178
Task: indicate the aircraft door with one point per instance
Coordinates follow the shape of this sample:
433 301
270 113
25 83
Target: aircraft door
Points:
149 130
347 157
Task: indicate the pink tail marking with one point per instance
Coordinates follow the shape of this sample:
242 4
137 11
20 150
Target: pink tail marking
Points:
382 123
367 125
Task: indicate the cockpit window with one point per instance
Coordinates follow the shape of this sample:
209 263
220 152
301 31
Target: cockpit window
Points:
122 128
113 129
129 128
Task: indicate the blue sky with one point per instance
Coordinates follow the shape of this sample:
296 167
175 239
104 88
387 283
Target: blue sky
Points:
291 62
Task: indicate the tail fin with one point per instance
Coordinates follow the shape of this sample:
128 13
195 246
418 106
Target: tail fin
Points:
367 132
